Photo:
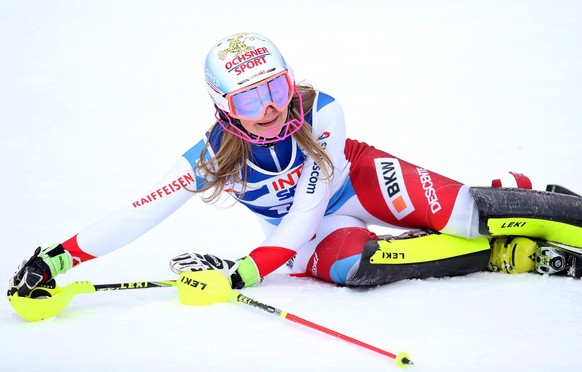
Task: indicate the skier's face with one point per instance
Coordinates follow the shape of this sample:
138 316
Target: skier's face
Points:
250 103
263 111
262 108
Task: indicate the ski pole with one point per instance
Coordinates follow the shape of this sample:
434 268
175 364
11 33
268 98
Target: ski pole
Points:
194 288
210 286
402 359
48 300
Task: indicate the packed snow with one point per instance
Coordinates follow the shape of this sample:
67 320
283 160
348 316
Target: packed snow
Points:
98 99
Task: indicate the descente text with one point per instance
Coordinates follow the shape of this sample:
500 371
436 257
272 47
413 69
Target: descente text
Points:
429 192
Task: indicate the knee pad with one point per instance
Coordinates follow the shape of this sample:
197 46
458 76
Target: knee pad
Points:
337 253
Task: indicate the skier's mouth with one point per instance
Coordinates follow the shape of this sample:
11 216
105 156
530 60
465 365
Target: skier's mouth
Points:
268 123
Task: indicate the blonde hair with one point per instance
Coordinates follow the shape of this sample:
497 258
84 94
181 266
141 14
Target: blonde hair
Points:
229 163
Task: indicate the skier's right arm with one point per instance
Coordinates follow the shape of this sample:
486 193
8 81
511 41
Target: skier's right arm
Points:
139 216
113 232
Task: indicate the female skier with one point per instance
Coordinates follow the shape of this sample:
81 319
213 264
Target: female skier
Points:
281 150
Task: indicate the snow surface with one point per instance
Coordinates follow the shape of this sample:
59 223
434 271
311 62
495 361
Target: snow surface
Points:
98 99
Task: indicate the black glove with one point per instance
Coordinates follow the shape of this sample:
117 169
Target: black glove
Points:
198 262
40 268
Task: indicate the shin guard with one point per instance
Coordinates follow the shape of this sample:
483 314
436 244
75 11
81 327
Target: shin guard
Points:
536 214
419 256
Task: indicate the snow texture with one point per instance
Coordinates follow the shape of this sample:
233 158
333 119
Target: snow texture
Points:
99 98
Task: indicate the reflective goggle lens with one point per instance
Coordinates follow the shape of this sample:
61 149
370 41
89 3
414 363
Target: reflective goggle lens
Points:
251 103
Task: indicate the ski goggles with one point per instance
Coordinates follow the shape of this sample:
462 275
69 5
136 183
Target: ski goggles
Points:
252 102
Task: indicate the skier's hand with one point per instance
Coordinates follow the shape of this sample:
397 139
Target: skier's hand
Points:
199 262
40 268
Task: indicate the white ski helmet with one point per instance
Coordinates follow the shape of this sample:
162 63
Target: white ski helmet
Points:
249 60
238 61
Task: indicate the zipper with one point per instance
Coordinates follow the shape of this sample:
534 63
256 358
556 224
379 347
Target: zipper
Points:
275 159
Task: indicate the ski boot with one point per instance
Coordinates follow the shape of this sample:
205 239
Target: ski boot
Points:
558 259
512 254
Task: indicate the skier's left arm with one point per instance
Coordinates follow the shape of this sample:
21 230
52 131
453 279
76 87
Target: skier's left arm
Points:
312 194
